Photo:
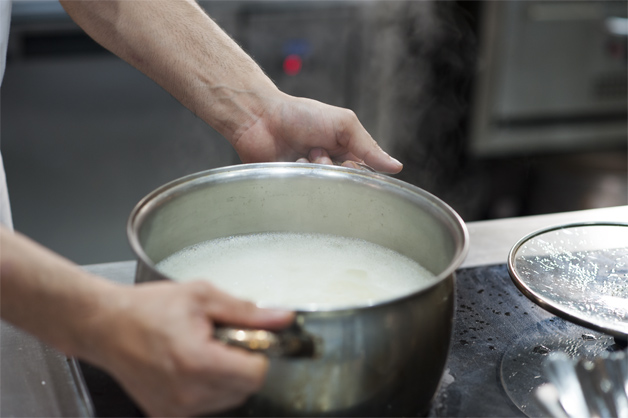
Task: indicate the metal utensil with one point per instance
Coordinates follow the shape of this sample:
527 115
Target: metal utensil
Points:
584 387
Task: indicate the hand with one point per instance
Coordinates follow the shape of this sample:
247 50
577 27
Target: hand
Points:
184 51
157 342
301 129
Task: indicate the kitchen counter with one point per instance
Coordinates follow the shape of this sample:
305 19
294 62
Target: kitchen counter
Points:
491 316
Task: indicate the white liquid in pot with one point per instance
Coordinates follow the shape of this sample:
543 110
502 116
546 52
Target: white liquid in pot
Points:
299 270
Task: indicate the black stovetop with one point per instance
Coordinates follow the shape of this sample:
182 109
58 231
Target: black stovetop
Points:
494 353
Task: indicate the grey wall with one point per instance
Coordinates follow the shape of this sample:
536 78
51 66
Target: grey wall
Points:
83 140
85 136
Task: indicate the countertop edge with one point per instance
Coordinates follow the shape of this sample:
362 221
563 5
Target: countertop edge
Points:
490 241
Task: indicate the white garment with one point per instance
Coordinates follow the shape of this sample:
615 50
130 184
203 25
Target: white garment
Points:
5 20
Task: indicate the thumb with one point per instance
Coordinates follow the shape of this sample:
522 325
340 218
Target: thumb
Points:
224 308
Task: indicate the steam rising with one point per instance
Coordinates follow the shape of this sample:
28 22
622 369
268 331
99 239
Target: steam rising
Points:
420 68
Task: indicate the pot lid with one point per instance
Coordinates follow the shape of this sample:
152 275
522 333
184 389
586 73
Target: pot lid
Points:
578 272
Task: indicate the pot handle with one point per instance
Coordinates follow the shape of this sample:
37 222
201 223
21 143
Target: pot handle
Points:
289 342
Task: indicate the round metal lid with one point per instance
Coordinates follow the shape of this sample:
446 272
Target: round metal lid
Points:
578 272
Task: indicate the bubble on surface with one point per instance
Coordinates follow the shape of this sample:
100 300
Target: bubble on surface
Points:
302 271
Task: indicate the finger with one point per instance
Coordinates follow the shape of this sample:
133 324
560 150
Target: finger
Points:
226 377
352 164
235 368
375 157
303 160
319 156
224 308
358 141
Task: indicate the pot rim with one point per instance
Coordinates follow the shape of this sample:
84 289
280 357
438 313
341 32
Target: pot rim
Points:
438 207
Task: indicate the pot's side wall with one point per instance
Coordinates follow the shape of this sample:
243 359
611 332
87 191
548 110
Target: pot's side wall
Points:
380 361
376 361
307 201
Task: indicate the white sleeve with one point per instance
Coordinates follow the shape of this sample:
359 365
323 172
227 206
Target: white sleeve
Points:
5 19
5 207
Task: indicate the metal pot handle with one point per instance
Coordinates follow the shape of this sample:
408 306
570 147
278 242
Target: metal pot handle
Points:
290 342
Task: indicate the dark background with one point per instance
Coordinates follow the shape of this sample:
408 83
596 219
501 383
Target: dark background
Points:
500 109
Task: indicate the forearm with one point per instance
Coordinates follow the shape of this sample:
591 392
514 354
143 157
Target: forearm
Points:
176 44
49 296
155 339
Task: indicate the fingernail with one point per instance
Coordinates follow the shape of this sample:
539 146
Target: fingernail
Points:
350 164
396 161
276 313
315 153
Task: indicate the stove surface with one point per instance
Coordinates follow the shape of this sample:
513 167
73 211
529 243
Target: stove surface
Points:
499 342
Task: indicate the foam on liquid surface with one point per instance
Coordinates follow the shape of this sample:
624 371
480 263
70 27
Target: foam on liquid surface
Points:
299 270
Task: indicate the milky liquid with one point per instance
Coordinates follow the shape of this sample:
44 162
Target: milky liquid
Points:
306 271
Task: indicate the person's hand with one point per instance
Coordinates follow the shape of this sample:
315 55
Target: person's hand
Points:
299 129
184 51
155 339
157 342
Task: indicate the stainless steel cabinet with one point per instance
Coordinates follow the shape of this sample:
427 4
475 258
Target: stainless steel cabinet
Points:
552 77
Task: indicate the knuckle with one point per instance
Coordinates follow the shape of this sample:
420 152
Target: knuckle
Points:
350 115
199 286
199 289
185 365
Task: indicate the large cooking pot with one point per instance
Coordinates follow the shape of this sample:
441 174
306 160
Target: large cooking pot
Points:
379 360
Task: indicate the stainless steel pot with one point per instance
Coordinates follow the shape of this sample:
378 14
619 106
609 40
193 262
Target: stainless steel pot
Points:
379 360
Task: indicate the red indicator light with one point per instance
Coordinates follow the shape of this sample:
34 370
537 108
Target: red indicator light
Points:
292 64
